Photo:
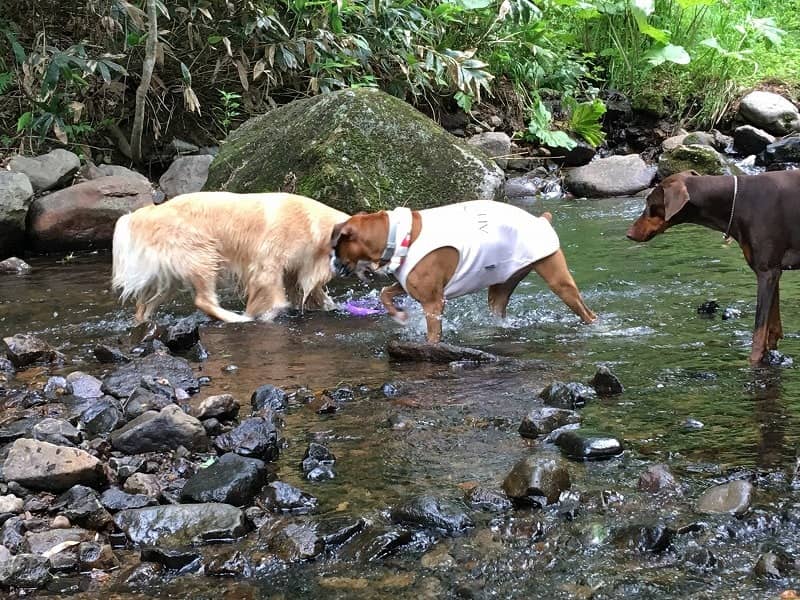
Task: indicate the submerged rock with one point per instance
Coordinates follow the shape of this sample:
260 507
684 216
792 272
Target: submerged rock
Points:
171 558
644 538
541 421
587 446
429 512
181 525
537 481
292 542
775 564
605 383
233 479
45 466
488 499
567 395
733 497
158 431
657 478
256 437
436 353
12 265
25 571
25 349
318 462
269 397
282 497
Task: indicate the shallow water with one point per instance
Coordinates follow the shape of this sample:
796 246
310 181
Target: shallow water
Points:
675 364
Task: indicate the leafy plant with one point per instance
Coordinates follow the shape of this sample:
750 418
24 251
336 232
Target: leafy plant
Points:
227 111
583 120
540 128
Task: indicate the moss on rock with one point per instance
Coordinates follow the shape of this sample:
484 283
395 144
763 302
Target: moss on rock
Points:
703 159
355 150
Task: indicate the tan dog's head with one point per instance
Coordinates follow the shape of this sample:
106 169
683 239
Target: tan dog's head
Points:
357 244
662 206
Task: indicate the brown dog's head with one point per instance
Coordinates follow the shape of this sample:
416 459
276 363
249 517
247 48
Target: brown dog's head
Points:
357 244
662 205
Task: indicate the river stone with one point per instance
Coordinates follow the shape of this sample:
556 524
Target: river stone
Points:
25 349
587 446
733 498
657 478
44 466
109 354
94 555
56 387
775 565
256 437
713 139
781 153
612 176
16 429
10 504
567 395
268 396
85 385
233 479
282 497
115 499
673 141
488 499
143 400
145 576
644 538
47 171
749 140
92 171
145 484
436 353
229 563
539 182
355 149
102 417
495 144
158 431
82 506
605 383
430 512
12 265
702 159
180 525
292 542
15 198
171 558
185 175
345 533
25 571
83 216
221 406
121 382
537 480
316 455
182 335
769 111
541 421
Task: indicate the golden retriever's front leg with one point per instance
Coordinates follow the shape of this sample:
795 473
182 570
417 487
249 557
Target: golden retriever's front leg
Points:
266 296
388 295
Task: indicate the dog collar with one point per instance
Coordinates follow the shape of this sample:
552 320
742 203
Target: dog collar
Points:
398 239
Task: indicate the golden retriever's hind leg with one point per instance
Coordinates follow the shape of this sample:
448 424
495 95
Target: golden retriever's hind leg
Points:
319 299
145 310
205 298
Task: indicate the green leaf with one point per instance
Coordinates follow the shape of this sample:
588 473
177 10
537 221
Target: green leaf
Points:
186 74
585 121
473 4
659 35
16 47
668 53
684 4
214 39
24 120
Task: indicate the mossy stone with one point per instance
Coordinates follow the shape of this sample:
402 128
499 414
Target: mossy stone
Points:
358 149
703 159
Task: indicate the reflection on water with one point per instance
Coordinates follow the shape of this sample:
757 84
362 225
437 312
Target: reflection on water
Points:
674 363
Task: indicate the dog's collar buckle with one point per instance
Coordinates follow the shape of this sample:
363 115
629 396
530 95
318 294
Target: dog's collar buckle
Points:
398 238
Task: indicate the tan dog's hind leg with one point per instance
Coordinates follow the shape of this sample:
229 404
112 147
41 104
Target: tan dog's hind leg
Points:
388 295
205 298
145 310
500 293
555 272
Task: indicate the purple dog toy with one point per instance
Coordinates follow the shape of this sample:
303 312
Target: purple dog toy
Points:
364 308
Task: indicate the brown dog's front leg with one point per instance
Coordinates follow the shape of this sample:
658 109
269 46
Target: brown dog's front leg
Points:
388 295
767 286
433 317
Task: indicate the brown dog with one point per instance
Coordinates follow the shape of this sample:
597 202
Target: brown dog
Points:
761 212
446 252
276 247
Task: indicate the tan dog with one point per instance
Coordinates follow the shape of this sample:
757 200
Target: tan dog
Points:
446 252
276 246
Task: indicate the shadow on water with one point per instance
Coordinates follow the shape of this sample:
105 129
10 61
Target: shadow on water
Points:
462 424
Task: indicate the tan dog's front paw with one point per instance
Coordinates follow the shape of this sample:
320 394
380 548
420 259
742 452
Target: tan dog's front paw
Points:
400 316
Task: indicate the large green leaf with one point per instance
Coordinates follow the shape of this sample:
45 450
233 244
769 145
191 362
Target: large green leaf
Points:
659 35
668 53
585 121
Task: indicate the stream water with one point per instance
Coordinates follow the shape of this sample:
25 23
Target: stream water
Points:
461 425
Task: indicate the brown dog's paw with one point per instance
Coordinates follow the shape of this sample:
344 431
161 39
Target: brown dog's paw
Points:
401 317
548 216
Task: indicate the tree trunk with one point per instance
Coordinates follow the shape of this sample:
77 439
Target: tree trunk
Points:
144 85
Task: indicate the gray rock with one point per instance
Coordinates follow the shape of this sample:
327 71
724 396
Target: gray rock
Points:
612 176
143 400
91 171
749 140
770 112
317 455
24 350
232 479
44 466
185 175
488 499
291 542
56 387
537 481
10 504
158 431
567 395
673 142
85 385
83 216
644 538
144 576
13 265
781 153
537 183
282 497
15 198
256 437
145 484
94 555
578 156
733 498
496 145
102 417
775 565
713 139
56 431
430 512
183 334
114 499
180 525
42 542
220 406
171 558
82 506
16 429
702 159
657 478
436 353
47 171
269 397
177 371
605 383
25 571
541 421
583 445
355 149
109 355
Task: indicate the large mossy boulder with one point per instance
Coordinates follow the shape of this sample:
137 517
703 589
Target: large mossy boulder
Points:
355 150
703 159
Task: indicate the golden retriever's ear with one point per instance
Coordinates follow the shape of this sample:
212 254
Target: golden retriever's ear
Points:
342 230
676 196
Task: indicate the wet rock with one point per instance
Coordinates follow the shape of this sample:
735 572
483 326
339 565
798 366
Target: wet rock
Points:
398 421
324 404
390 390
7 367
12 535
121 382
181 525
344 534
45 466
690 423
567 395
703 159
186 174
775 564
233 479
532 185
256 437
496 145
733 498
115 499
212 426
605 383
536 481
85 385
488 499
541 421
93 555
15 198
16 429
436 353
318 462
171 558
381 545
230 563
781 153
82 506
125 466
25 571
144 576
145 484
221 406
282 497
143 400
429 512
749 140
102 417
110 355
184 334
56 387
24 350
772 112
292 542
583 445
150 347
731 313
158 431
657 478
321 473
644 538
269 397
700 557
13 265
612 176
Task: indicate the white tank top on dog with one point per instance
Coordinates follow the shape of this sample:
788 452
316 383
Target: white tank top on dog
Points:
494 240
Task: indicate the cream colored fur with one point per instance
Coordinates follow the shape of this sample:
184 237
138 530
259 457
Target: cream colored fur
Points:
276 247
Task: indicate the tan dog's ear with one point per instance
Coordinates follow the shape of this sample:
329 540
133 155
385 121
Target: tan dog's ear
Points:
342 230
676 196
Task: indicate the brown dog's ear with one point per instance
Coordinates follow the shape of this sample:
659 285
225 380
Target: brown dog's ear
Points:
342 230
693 172
676 196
